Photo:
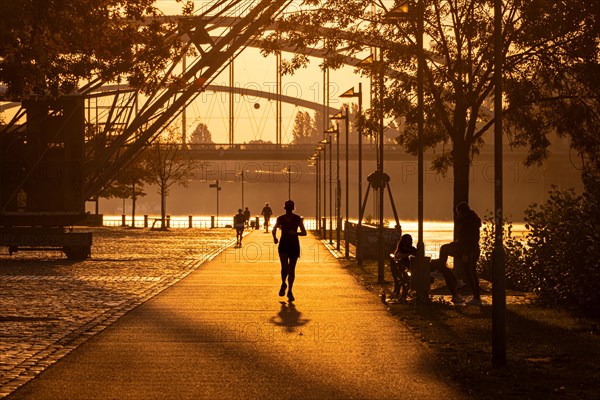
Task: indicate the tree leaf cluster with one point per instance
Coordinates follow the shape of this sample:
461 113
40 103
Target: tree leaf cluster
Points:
49 47
305 129
550 52
557 258
563 248
555 89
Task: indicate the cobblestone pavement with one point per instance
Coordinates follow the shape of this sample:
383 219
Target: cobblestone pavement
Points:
49 305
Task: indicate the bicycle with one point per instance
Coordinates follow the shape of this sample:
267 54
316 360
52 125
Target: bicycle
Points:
401 273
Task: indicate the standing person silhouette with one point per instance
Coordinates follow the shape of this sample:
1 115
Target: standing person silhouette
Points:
289 246
239 221
247 216
267 212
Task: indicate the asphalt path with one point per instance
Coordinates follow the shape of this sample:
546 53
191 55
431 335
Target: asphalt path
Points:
223 332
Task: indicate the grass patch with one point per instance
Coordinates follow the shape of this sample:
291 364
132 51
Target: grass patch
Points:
551 353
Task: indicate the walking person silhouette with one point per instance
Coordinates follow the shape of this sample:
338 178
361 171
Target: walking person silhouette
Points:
289 246
239 221
267 212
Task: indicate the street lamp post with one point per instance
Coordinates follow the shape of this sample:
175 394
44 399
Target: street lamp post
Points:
330 194
402 11
420 130
345 117
380 244
318 178
217 187
289 170
498 270
326 142
313 161
352 93
241 174
334 130
346 244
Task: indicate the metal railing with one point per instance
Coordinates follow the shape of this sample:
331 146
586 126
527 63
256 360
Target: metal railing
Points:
186 222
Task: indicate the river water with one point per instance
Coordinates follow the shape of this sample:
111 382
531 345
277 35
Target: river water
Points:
435 233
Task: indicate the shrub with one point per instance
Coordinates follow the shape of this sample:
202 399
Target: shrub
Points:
518 275
558 257
562 249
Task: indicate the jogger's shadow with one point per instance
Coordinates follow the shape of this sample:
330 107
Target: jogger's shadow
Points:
289 317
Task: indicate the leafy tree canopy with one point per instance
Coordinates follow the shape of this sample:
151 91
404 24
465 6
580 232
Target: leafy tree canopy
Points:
305 130
201 135
47 47
550 50
129 182
556 89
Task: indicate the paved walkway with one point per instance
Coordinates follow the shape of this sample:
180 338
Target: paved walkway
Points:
223 333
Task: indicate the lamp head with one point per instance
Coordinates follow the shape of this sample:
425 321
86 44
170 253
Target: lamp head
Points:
338 116
332 129
350 93
400 12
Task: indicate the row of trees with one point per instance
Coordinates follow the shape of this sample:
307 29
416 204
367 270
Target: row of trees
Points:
310 129
161 164
551 71
550 50
551 74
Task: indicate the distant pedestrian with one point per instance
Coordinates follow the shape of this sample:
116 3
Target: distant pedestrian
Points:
465 248
239 221
289 246
266 213
247 216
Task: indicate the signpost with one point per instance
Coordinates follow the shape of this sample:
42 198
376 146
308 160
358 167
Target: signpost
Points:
216 186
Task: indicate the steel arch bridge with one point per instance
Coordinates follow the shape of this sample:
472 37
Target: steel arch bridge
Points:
91 147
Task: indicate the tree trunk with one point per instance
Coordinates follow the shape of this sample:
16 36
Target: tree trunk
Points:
461 169
163 208
461 191
133 199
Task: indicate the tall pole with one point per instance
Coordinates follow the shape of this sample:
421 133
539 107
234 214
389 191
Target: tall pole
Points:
346 244
420 129
381 190
242 174
498 268
278 100
338 190
289 182
324 122
351 93
183 111
318 193
325 190
218 187
330 175
330 194
360 138
231 101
